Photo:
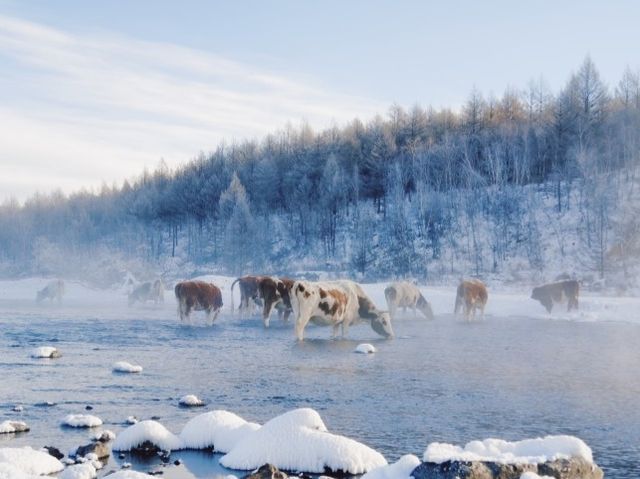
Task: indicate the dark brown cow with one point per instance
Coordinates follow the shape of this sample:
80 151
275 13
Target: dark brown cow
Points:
198 296
557 293
249 292
275 292
471 295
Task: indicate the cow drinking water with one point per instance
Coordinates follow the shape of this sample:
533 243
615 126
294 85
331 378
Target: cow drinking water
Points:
403 294
336 303
553 294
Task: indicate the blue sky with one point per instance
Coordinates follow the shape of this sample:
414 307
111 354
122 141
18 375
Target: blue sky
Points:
96 91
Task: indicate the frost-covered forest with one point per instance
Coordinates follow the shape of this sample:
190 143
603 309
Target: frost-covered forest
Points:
520 187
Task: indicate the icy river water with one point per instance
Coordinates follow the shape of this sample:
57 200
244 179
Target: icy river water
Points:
444 380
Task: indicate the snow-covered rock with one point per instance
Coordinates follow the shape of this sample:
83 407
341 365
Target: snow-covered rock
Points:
30 461
125 367
365 348
9 471
131 420
46 352
150 431
533 475
8 427
528 451
79 471
104 436
401 469
18 408
219 429
191 400
81 420
299 441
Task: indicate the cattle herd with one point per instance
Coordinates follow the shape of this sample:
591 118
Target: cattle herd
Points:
338 304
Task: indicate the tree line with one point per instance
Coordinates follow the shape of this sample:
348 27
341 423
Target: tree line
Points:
417 190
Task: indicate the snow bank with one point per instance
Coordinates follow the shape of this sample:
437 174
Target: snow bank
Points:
30 461
81 420
365 348
9 471
528 451
7 427
125 367
45 352
221 430
191 401
298 441
79 471
151 431
401 469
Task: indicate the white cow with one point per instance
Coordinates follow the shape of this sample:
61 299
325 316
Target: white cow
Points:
403 294
53 290
336 303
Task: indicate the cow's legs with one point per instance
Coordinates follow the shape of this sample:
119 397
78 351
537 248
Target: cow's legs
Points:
266 313
301 322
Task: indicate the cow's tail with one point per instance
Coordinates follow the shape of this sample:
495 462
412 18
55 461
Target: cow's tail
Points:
232 285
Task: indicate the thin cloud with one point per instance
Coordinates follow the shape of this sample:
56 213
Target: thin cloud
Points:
102 107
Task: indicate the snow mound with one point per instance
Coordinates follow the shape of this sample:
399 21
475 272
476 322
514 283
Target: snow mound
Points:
151 431
7 427
191 401
45 352
299 441
9 471
528 451
365 348
30 461
81 420
533 475
131 420
79 471
219 429
125 367
401 469
104 436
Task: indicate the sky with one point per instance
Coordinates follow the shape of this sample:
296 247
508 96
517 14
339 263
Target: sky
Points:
94 92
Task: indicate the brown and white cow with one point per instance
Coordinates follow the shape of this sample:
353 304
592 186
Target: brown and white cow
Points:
249 293
336 303
404 295
275 292
53 290
198 296
471 295
553 294
148 292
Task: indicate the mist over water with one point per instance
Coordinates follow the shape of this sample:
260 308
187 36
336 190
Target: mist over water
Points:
441 380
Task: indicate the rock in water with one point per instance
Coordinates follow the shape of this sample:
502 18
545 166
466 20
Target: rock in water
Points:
266 471
574 468
54 451
100 449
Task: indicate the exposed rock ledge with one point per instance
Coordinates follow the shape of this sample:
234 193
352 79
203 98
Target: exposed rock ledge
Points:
574 468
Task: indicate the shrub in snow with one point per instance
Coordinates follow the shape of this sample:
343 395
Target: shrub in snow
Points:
365 348
151 431
30 461
191 401
81 420
79 471
528 451
401 469
7 427
45 352
125 367
221 430
298 441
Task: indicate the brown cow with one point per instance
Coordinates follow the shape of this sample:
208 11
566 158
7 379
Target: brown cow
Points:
275 292
249 292
198 296
471 295
557 293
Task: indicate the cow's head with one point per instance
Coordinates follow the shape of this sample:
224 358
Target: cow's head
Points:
535 294
381 324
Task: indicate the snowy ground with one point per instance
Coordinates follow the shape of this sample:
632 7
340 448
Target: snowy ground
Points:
519 373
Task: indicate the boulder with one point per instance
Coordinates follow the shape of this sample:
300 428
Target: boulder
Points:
98 448
266 471
574 468
146 449
54 451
